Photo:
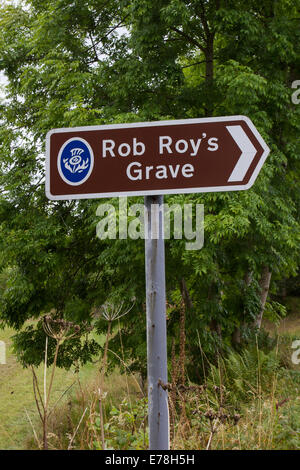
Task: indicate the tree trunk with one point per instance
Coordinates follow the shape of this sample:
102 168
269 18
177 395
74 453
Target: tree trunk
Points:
209 56
185 294
248 278
236 335
216 327
209 70
264 285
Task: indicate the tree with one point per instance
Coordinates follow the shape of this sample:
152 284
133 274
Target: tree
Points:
71 64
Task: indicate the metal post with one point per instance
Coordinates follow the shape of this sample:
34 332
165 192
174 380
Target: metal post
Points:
158 413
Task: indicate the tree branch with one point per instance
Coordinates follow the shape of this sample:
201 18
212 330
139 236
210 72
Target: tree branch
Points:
190 39
195 63
95 44
204 20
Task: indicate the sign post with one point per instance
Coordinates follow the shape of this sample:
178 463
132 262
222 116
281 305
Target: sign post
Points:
158 413
153 159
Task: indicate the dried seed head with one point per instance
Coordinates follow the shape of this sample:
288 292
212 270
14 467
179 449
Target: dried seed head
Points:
209 415
111 311
59 329
236 417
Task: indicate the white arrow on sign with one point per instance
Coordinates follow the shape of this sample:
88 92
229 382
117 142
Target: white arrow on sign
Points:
248 152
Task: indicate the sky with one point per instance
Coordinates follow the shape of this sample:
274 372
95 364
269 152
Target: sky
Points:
2 78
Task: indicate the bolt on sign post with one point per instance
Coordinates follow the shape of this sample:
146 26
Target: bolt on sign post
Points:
153 159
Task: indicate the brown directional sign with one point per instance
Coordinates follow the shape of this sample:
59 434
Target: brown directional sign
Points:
163 157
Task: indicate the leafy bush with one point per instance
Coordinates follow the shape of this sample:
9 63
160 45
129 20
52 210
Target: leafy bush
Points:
126 428
287 428
245 374
260 338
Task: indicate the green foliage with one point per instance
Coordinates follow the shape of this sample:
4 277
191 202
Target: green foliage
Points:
87 63
260 338
245 374
274 311
29 344
286 433
126 428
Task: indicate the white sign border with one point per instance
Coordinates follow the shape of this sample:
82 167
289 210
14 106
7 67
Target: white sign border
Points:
156 191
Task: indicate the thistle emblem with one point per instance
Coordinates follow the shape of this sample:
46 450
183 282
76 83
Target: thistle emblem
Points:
77 163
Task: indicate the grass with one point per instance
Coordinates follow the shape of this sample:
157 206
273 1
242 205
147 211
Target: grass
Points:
243 406
118 391
16 395
288 325
261 408
261 426
258 408
249 402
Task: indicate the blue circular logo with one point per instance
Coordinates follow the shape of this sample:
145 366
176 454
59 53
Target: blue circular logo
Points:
75 161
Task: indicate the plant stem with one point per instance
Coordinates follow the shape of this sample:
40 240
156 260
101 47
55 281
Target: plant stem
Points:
101 421
47 398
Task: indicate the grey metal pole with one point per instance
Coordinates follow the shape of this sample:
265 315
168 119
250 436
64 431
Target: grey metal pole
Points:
158 412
